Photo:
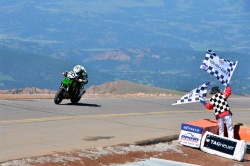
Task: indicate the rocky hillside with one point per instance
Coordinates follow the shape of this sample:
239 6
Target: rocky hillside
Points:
27 91
126 87
110 88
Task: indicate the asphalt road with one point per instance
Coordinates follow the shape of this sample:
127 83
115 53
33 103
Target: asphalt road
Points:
34 127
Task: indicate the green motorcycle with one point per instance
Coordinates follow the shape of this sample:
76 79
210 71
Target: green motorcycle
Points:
69 89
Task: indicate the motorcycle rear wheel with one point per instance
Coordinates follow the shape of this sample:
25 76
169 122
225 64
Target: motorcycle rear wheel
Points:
75 100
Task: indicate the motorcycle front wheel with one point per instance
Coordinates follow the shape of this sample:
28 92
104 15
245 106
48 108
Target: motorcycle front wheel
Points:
58 97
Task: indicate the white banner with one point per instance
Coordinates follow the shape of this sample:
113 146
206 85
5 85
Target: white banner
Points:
223 146
190 135
220 68
194 95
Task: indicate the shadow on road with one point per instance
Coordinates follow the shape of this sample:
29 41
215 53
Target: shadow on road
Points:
83 104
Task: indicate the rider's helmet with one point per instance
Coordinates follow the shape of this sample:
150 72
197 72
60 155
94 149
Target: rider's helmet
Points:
215 90
78 69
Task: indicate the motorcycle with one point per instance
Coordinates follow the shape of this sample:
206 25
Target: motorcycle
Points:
69 89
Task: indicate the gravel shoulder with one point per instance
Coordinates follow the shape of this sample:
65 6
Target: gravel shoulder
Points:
121 154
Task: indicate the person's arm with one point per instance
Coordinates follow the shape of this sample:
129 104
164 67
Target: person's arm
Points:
228 91
209 106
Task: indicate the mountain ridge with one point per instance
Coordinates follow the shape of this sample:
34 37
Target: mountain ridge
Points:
164 68
126 87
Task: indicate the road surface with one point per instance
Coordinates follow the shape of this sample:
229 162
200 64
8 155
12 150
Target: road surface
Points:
34 127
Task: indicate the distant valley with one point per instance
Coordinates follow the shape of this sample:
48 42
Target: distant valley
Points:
152 42
164 68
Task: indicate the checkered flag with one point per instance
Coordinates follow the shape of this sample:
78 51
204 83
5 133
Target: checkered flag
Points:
194 95
220 68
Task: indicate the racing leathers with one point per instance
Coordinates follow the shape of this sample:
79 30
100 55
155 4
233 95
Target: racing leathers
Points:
81 78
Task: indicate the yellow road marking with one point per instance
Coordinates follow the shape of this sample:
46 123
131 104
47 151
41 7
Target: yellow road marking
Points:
105 115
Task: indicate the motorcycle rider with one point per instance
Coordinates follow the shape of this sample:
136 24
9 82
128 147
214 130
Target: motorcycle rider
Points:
81 77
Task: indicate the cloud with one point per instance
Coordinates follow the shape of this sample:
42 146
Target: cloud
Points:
102 6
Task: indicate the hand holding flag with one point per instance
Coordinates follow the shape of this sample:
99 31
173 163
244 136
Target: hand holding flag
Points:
202 101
